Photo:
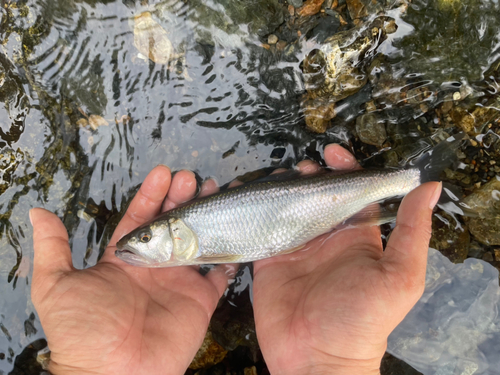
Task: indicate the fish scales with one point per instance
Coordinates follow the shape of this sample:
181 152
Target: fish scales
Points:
264 219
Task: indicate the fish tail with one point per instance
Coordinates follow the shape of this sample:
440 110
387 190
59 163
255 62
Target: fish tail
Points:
433 162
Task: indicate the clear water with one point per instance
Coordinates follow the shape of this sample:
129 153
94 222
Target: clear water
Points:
228 107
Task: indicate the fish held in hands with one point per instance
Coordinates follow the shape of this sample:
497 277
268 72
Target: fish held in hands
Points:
274 216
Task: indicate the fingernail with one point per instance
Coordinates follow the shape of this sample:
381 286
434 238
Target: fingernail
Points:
435 196
31 220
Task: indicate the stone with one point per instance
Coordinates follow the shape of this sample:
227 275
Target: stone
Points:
363 8
472 121
371 129
488 257
209 354
96 121
497 255
272 39
451 240
281 45
476 250
485 201
318 115
151 40
310 7
296 3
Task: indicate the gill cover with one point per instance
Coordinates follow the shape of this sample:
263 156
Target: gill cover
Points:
184 240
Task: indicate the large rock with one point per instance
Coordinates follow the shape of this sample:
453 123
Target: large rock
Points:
486 202
371 129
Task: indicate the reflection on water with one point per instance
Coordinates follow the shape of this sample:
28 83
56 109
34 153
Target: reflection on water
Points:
86 113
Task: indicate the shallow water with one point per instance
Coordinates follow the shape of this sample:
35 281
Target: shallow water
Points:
227 106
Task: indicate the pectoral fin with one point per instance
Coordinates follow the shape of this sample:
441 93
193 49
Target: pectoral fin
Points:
184 240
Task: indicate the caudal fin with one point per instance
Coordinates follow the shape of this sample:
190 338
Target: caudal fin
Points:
434 161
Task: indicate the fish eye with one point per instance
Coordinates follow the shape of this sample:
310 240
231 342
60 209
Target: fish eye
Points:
144 236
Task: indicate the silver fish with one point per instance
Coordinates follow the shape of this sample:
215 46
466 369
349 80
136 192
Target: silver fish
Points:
270 217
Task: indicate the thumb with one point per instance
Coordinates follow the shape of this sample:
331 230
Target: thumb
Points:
406 250
50 242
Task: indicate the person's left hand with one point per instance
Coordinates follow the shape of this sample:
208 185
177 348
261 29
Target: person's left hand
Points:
114 318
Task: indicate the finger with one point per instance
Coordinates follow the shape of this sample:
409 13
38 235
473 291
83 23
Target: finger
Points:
279 170
209 187
50 242
406 251
338 157
234 183
146 203
183 188
220 275
307 167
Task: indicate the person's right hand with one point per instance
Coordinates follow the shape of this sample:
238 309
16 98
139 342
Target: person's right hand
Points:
115 318
330 308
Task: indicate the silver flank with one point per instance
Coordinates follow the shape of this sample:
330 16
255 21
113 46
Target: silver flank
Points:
260 220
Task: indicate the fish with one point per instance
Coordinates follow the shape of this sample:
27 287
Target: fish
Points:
274 216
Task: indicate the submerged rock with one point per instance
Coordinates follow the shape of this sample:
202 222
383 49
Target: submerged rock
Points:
311 7
209 354
335 70
486 202
152 40
371 129
363 8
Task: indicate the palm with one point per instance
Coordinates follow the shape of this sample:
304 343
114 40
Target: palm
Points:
114 318
132 323
335 303
297 300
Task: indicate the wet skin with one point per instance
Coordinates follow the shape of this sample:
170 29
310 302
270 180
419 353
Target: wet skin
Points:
330 308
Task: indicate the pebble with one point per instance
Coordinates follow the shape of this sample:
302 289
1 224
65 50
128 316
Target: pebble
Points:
311 7
281 45
456 95
291 10
488 257
497 255
272 39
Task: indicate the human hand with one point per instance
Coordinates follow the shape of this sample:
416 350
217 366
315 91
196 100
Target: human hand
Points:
329 309
114 318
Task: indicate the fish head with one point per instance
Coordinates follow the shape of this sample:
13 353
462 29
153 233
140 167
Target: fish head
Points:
147 246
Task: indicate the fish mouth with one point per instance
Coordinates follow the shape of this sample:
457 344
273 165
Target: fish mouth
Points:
128 255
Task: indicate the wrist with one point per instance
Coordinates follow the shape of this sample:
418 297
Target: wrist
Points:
340 367
332 370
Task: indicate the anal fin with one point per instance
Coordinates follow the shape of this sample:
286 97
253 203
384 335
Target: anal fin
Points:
219 258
